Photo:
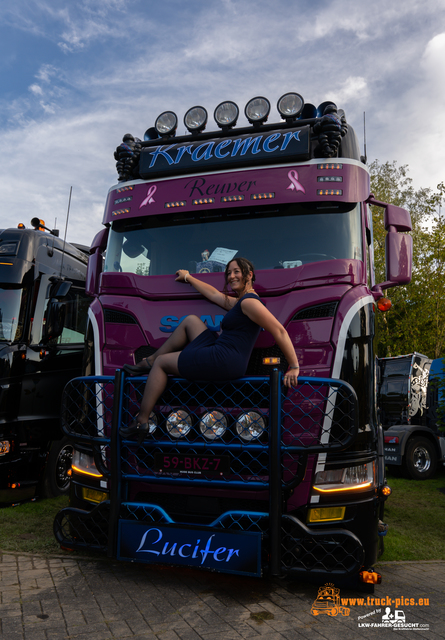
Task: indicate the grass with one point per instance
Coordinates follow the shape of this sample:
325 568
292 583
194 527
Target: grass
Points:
415 513
29 526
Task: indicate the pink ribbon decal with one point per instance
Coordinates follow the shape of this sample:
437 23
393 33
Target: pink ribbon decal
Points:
149 199
293 177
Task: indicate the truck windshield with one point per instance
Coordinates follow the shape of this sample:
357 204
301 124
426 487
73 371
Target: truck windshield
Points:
285 236
12 312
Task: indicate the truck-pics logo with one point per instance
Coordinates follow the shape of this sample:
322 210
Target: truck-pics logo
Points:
328 602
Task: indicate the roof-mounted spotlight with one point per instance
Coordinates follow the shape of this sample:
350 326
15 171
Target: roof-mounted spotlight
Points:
290 106
257 110
226 115
195 119
151 134
324 105
309 111
166 123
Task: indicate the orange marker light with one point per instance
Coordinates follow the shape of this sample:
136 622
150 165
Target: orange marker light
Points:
370 577
271 360
384 304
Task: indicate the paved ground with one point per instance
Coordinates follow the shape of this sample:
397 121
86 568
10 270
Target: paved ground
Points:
63 597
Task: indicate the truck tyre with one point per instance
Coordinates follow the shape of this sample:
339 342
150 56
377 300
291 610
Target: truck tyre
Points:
420 458
56 481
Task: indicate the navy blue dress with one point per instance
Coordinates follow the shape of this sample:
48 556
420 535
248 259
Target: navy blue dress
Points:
224 357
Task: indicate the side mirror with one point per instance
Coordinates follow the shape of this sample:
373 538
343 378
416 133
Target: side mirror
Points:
399 258
56 310
399 246
397 217
55 320
95 262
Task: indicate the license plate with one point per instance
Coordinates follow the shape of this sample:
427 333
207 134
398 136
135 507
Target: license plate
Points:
191 464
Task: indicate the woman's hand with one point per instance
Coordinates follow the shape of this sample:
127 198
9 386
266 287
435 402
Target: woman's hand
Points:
291 377
182 275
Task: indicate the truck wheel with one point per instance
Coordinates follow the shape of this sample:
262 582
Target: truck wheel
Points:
57 481
420 458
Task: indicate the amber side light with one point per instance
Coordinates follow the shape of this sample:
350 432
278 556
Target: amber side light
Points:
370 577
386 490
271 360
384 304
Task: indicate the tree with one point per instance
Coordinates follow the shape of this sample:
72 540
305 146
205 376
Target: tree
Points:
416 321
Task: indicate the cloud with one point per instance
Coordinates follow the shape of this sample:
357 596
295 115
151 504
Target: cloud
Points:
348 91
46 72
46 158
111 67
36 89
48 108
433 64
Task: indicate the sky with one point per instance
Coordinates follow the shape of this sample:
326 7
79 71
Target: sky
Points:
76 76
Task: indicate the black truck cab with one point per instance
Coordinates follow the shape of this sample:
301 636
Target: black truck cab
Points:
408 402
43 312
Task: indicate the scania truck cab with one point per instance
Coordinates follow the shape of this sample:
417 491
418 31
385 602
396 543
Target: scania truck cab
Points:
245 476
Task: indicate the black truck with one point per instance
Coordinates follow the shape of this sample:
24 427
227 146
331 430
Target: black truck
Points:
43 313
408 398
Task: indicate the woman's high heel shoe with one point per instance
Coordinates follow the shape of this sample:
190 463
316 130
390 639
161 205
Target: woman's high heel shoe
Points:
135 428
138 369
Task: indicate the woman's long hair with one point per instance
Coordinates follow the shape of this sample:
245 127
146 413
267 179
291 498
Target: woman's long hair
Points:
246 267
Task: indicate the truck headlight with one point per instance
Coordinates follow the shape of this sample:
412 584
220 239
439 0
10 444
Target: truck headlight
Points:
83 463
213 425
250 425
4 447
358 478
179 423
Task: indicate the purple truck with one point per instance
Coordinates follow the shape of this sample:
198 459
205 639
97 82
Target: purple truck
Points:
244 477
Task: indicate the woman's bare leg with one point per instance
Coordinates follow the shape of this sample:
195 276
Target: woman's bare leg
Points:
188 330
164 365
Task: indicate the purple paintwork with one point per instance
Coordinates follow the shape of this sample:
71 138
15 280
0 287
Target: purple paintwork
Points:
159 302
141 198
312 338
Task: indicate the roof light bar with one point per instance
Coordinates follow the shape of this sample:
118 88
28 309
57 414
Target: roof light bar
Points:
166 123
257 110
290 106
226 114
195 119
